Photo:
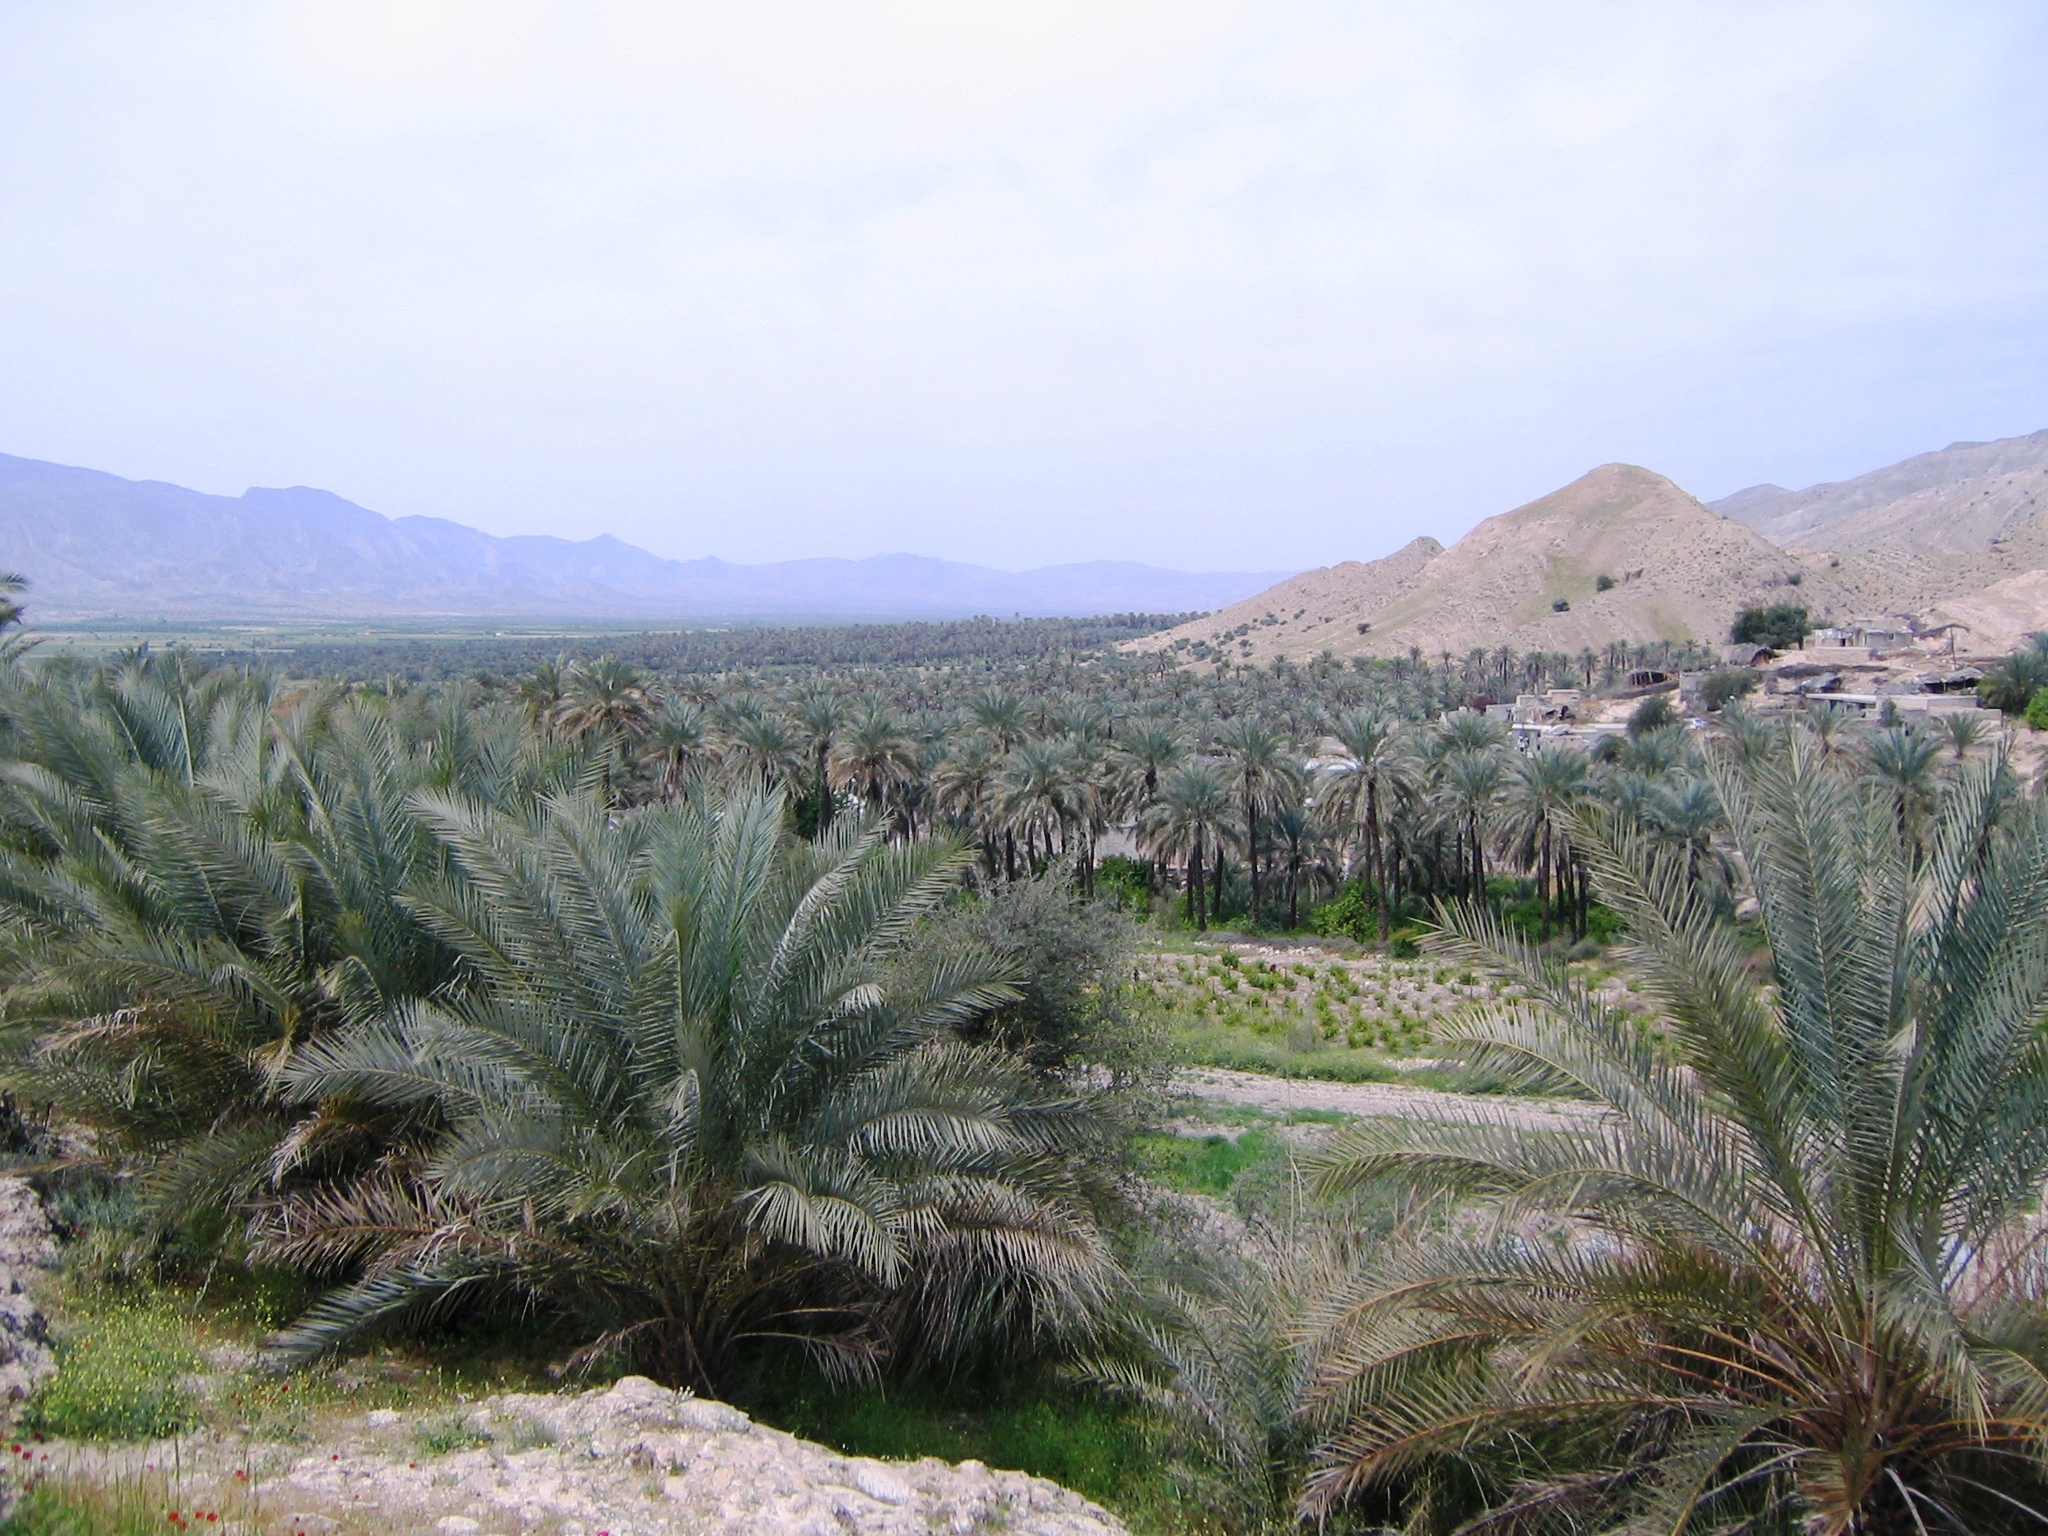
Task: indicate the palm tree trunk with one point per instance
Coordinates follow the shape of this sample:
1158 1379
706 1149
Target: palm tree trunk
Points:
1376 854
1251 847
1195 884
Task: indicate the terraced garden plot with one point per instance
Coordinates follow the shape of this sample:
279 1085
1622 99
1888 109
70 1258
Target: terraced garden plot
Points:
1304 1010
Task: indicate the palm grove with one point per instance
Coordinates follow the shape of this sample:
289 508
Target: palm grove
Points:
684 1019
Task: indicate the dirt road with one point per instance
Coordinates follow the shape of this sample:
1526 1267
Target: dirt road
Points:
1281 1094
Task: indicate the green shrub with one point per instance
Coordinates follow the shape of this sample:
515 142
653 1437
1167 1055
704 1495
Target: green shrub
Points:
117 1377
440 1436
1653 714
1727 684
2037 711
1603 583
1126 882
1350 914
1781 626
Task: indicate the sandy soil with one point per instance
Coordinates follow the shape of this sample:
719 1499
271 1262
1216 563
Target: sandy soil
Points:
1282 1094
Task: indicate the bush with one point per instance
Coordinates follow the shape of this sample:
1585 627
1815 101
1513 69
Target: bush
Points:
1603 583
1727 684
2037 711
1781 626
1068 955
1653 714
1126 882
1350 914
118 1378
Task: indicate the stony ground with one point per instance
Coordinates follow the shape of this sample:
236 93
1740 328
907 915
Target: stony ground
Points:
633 1459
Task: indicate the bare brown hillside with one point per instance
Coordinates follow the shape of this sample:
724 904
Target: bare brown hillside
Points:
1679 570
1933 527
1330 595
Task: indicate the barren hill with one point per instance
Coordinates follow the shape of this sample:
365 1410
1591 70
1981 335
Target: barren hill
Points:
1338 595
1926 529
1678 570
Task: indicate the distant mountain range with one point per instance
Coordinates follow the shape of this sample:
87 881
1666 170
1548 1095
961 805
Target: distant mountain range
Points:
1623 554
98 546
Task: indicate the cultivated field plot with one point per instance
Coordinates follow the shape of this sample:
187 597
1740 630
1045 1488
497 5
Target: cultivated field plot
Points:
1305 1011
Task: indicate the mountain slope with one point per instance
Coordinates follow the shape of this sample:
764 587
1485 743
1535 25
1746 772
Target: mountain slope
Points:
95 544
1313 604
1930 528
1679 570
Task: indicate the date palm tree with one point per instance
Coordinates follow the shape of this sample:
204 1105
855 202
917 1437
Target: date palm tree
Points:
1195 811
964 788
606 700
1794 1278
1544 790
875 760
1262 770
677 742
759 747
1960 732
1361 788
1906 764
1466 799
1147 749
822 713
690 1105
200 885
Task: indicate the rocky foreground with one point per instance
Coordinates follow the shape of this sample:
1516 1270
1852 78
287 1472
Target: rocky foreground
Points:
634 1459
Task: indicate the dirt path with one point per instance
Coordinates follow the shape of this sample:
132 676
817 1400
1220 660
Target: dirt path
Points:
1378 1099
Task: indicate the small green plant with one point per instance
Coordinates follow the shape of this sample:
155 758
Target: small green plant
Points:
438 1437
1603 583
118 1377
2036 714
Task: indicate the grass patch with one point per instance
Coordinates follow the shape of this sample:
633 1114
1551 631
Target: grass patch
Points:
1241 1052
129 1505
118 1371
1100 1447
1208 1165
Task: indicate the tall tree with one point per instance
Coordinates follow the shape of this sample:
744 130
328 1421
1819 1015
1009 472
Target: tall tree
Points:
1195 810
1361 786
1262 769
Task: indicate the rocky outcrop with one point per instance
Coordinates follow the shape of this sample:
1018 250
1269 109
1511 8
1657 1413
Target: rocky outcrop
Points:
27 1243
637 1460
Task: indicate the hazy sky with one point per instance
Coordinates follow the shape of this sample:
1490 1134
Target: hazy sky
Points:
1221 286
